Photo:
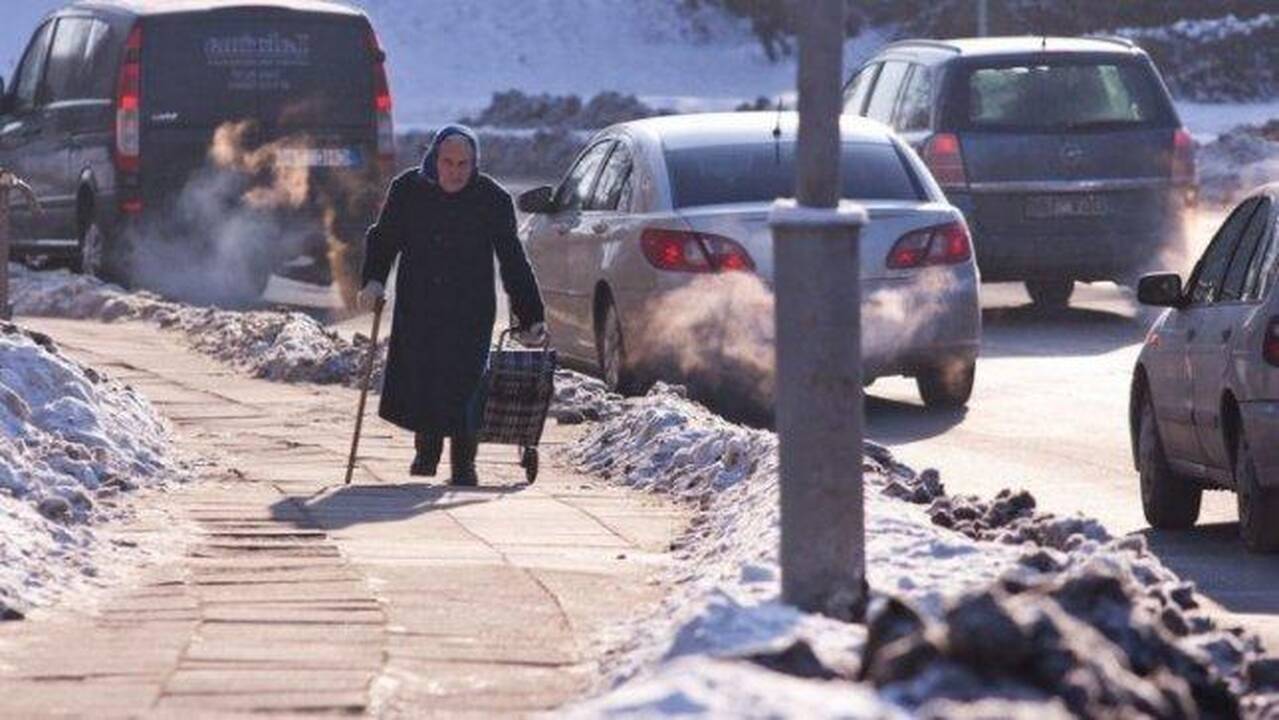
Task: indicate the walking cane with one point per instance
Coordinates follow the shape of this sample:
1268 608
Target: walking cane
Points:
364 387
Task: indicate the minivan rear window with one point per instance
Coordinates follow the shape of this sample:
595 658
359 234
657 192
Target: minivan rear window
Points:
761 172
303 71
1062 95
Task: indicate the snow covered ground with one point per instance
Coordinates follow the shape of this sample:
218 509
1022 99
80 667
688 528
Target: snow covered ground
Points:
74 445
956 582
268 344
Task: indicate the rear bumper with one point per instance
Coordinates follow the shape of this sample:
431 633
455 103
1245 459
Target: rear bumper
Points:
1118 247
923 322
1261 423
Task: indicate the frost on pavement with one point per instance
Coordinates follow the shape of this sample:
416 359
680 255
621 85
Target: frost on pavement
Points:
268 344
73 445
979 608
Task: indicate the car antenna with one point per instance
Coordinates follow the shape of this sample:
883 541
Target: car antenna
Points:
777 133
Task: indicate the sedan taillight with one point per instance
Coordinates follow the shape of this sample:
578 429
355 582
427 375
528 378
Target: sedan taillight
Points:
940 245
681 251
1270 345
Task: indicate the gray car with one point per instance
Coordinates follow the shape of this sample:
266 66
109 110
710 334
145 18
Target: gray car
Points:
1204 412
1065 154
650 206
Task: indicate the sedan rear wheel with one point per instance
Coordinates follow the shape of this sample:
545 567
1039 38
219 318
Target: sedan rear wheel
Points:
1050 294
1169 501
1258 506
610 345
947 386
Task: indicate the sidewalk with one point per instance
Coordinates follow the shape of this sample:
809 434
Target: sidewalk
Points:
290 593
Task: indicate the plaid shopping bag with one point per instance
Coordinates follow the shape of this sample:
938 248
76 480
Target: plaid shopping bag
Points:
518 386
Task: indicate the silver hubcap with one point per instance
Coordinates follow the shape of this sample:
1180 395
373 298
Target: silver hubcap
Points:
91 250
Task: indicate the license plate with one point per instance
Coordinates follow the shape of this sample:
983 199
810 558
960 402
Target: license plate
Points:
1074 205
319 157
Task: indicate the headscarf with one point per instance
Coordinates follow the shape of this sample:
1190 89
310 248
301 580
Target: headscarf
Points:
430 171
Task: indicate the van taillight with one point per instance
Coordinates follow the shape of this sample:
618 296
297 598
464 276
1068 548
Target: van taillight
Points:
128 106
382 105
1183 157
680 251
945 159
941 245
1270 345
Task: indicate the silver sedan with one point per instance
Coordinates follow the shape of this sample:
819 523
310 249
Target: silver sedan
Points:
656 218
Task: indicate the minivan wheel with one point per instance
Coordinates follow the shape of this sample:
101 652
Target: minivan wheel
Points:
1050 294
91 258
1169 501
610 345
947 386
1258 506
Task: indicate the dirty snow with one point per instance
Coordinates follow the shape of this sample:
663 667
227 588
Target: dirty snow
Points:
267 344
932 559
73 445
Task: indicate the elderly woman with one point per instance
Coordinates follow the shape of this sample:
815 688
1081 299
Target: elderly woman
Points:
446 221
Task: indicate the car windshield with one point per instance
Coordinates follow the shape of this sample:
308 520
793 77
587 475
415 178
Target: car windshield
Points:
1053 96
761 172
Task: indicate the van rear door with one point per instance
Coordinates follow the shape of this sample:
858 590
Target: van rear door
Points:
300 75
1064 145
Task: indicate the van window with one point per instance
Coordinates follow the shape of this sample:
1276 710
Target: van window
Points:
762 172
1062 94
98 71
915 110
303 71
859 89
66 59
27 86
884 96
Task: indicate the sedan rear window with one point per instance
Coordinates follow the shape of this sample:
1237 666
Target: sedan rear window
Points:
761 172
1064 95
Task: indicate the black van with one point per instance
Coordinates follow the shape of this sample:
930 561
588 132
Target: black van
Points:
115 105
1065 154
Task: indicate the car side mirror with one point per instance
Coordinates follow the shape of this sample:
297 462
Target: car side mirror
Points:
1160 290
538 201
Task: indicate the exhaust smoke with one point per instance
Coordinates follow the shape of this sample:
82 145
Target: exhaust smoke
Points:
718 335
239 217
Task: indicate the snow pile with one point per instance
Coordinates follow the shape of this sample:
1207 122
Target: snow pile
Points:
273 345
1238 161
1224 59
71 442
1114 631
579 398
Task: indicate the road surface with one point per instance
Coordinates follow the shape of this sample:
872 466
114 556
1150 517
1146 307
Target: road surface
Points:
1049 414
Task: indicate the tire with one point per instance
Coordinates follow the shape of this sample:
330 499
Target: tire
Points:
91 257
610 346
1050 294
1168 500
949 386
1258 506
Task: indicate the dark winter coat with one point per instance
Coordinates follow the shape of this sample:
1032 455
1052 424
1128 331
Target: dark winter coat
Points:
445 294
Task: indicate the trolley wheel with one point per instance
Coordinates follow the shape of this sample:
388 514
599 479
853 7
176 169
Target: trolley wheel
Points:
529 461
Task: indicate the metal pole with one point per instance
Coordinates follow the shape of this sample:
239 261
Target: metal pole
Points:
983 18
819 392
